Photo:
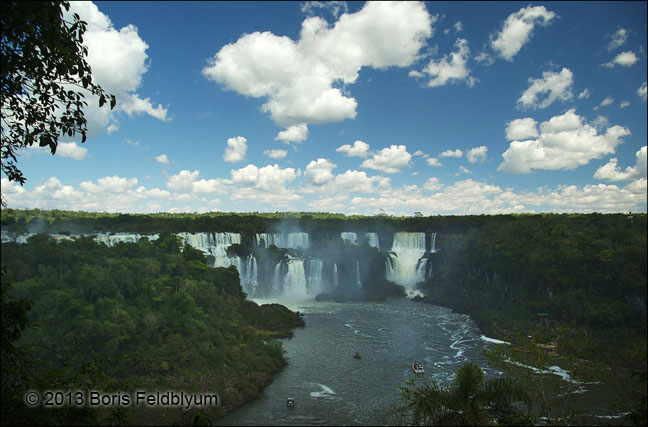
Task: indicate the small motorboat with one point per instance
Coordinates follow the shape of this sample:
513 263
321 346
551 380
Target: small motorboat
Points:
357 356
290 402
418 368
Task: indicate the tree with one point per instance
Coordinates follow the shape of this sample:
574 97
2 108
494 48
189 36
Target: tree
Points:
45 79
469 400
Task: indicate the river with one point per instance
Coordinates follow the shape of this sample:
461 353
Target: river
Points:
331 387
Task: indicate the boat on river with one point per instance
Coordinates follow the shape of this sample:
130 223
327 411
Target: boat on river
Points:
357 356
418 368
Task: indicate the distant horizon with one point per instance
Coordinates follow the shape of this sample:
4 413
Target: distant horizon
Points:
445 108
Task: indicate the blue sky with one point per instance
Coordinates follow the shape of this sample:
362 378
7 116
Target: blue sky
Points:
441 108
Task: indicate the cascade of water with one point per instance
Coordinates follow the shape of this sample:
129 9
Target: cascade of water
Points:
403 265
433 249
251 278
349 237
113 239
295 280
277 283
372 239
336 282
282 240
314 276
358 282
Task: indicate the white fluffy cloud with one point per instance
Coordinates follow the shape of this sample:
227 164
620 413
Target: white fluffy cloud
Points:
517 30
275 154
71 150
611 172
521 129
477 154
433 184
642 91
449 69
351 181
235 150
162 158
295 134
452 153
359 149
183 181
433 161
617 39
319 172
268 178
389 160
584 94
564 142
625 59
299 78
119 61
607 101
557 86
473 197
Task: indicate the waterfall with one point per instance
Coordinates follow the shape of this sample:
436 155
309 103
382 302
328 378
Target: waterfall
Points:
349 237
372 239
433 248
282 240
336 282
358 282
113 239
314 276
294 285
403 266
216 244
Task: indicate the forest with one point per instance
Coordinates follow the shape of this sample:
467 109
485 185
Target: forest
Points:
574 282
144 315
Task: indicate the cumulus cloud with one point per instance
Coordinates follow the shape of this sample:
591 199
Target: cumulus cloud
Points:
521 129
358 149
564 142
452 153
642 91
183 181
433 184
389 160
433 161
119 61
611 172
294 134
584 94
235 150
557 86
607 101
624 104
617 39
300 79
71 150
449 69
319 171
624 59
275 154
111 184
473 197
162 158
477 154
268 178
517 30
